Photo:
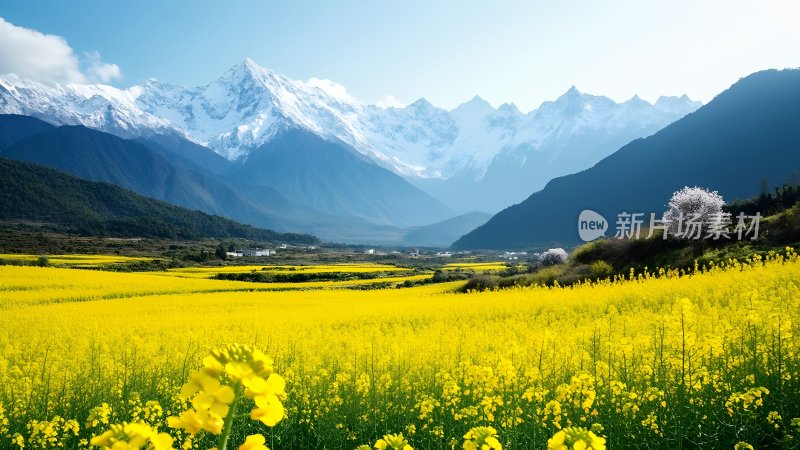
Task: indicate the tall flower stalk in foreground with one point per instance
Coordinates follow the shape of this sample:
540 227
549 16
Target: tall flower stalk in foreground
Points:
228 376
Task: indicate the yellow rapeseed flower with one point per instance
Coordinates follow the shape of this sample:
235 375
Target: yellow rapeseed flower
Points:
250 373
133 436
576 438
393 442
356 360
482 438
254 442
269 409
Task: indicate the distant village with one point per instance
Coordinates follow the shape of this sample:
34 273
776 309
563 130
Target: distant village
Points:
259 251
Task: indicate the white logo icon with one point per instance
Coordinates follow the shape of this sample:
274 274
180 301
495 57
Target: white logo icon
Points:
591 225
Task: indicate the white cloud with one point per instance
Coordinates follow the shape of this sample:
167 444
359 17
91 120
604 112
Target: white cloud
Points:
390 101
332 88
49 58
98 70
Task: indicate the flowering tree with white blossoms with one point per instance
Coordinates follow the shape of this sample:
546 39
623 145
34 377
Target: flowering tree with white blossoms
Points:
553 256
693 206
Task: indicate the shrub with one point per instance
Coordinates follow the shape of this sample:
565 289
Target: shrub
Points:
480 283
547 276
554 256
440 276
600 269
574 274
589 251
512 270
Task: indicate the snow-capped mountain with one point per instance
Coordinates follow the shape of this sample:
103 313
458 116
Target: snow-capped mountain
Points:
249 105
95 106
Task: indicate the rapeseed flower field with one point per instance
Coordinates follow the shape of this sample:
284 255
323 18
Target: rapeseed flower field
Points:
206 272
477 266
706 359
77 260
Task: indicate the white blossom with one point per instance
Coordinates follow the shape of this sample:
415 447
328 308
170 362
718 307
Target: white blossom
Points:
692 205
553 256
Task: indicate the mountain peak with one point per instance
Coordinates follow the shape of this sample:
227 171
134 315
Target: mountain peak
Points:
572 100
476 103
572 91
421 102
572 95
509 108
478 100
248 68
677 104
249 65
636 100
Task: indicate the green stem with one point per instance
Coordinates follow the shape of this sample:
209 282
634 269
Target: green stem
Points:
222 443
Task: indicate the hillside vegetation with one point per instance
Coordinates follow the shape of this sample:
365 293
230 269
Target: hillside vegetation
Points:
33 193
611 257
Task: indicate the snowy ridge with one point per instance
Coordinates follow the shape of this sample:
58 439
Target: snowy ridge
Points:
245 108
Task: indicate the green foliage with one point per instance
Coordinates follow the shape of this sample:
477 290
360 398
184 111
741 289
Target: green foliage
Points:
516 269
443 276
482 282
767 204
29 192
300 277
601 269
545 277
221 252
604 258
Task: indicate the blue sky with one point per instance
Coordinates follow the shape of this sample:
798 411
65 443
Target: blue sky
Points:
447 51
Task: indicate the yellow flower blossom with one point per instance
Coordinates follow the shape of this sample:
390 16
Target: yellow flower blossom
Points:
482 438
576 438
254 442
250 373
214 398
393 442
633 354
132 436
269 409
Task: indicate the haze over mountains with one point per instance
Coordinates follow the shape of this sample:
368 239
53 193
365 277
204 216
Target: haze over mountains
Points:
475 157
150 169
